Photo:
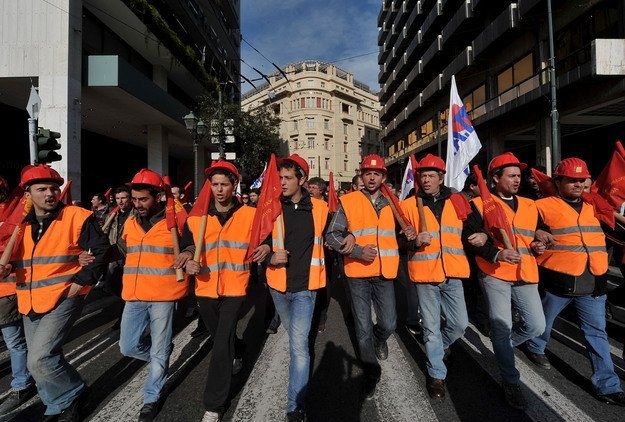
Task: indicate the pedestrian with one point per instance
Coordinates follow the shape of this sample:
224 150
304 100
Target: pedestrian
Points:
317 188
436 265
371 259
295 273
150 288
357 183
573 270
245 198
508 275
100 208
22 384
222 276
254 193
51 286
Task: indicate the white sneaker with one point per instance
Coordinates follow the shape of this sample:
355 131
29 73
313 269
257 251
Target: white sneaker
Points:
211 417
237 365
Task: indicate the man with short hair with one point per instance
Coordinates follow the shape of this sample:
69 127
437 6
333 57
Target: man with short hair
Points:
357 184
100 208
51 286
317 188
254 193
371 260
245 198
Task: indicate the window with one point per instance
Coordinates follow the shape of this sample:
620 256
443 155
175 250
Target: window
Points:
294 124
323 84
311 163
326 162
311 83
298 85
345 147
345 129
326 124
311 142
520 70
345 165
504 81
310 122
326 143
345 108
310 102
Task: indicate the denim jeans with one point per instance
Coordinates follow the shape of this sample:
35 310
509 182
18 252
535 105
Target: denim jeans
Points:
296 312
380 293
446 297
13 334
57 381
410 289
591 316
154 349
504 336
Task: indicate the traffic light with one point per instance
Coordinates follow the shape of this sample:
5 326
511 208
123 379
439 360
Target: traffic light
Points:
46 145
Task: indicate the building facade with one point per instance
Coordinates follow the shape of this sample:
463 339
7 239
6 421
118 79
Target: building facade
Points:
327 117
115 78
499 53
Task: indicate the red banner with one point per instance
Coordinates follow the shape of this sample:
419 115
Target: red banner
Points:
175 215
333 200
394 203
611 182
9 204
268 208
66 195
545 183
14 219
200 207
495 220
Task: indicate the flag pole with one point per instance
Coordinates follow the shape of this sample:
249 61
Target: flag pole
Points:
424 226
280 229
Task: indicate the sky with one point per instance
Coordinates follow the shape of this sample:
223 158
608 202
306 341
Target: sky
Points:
341 32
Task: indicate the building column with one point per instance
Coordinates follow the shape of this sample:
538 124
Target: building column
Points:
495 147
158 150
543 143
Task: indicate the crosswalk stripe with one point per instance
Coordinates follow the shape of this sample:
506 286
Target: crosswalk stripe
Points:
545 402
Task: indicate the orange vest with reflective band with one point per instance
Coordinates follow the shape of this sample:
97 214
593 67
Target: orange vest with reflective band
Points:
224 271
579 238
276 276
369 229
444 257
523 223
43 271
149 273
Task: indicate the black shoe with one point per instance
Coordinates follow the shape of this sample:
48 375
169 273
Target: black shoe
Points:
538 359
436 388
50 418
368 389
322 327
613 398
381 350
73 412
273 327
148 412
414 329
200 330
295 417
17 398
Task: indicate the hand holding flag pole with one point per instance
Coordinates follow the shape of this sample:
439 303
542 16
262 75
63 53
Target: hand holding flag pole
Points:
170 216
200 208
494 216
109 219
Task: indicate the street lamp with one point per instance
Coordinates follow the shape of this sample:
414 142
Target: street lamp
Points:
197 128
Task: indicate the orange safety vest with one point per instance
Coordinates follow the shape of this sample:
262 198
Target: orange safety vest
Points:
579 238
369 229
224 270
523 223
149 273
276 276
444 257
43 271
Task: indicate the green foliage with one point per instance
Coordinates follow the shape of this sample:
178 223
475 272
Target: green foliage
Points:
256 134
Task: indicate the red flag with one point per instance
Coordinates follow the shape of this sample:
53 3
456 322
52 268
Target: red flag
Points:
107 195
66 195
604 211
9 204
200 207
545 183
175 215
461 205
268 208
493 214
333 200
187 191
13 220
611 182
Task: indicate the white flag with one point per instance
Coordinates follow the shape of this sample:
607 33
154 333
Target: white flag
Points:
408 182
256 184
462 141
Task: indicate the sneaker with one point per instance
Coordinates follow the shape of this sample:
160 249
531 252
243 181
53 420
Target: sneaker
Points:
381 350
237 365
211 417
295 417
514 396
368 389
16 398
539 359
613 398
148 412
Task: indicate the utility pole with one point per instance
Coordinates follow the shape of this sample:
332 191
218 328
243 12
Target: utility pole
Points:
555 143
222 144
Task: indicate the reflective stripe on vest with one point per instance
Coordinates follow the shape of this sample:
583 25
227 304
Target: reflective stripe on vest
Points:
523 223
276 276
150 249
444 257
580 241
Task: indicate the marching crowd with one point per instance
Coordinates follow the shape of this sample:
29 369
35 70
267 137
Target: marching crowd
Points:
554 253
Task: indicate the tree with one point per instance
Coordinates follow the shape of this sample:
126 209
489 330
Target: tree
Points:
256 133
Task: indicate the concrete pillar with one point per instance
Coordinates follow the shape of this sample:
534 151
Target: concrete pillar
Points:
495 147
159 76
543 143
158 150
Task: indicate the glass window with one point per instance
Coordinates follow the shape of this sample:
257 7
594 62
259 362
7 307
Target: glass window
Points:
523 69
294 124
311 142
323 84
345 130
504 81
311 163
310 122
326 123
345 147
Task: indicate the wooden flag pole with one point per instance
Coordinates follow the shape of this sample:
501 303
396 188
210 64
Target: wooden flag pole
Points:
423 224
199 244
6 255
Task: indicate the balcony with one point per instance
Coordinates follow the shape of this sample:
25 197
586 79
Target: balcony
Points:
525 6
506 20
463 60
433 87
434 48
436 11
457 22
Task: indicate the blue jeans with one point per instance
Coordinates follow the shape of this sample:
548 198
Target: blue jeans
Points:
58 383
296 312
591 316
499 294
447 297
154 349
13 334
364 292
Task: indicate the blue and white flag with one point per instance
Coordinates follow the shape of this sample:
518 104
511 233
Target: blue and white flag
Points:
259 182
408 183
462 141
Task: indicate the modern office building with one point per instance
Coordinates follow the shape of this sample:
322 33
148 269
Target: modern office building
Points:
115 78
499 53
328 117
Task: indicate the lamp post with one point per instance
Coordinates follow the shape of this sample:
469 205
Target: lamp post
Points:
197 129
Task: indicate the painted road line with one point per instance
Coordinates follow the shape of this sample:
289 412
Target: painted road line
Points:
544 401
127 403
580 348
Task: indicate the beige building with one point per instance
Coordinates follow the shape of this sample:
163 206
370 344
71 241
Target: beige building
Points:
328 117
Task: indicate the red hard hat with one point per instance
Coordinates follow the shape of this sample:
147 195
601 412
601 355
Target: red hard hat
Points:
148 177
373 162
39 173
4 185
222 165
297 160
572 167
432 162
505 160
